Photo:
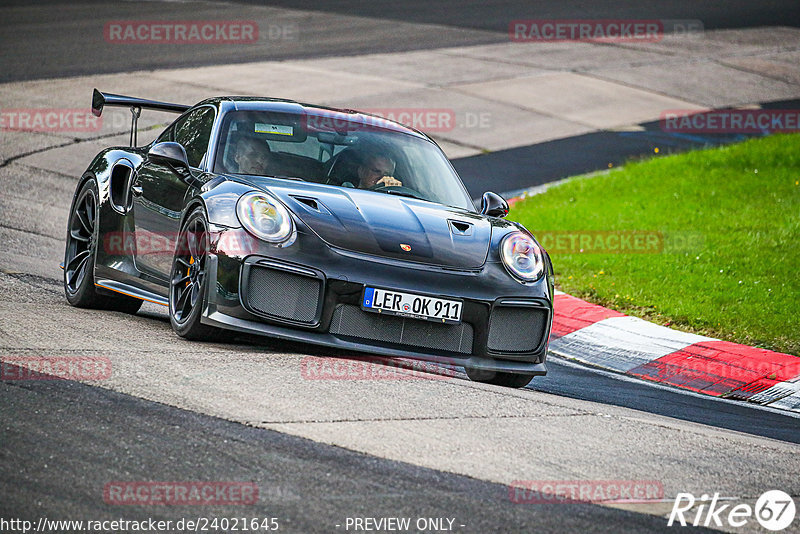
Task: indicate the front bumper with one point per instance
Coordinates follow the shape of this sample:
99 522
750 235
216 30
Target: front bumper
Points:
336 320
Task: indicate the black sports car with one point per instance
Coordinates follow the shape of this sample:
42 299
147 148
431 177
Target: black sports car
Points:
312 224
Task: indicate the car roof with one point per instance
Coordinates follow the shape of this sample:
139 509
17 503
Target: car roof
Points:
255 103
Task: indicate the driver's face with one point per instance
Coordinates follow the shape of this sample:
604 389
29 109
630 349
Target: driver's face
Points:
374 169
251 157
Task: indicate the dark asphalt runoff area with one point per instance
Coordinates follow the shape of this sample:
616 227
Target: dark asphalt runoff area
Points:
63 441
519 168
578 382
52 38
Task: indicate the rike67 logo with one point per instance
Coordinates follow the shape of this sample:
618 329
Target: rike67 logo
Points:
774 510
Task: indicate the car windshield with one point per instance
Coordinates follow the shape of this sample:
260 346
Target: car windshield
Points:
338 149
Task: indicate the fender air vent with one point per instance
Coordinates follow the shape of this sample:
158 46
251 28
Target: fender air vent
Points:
460 227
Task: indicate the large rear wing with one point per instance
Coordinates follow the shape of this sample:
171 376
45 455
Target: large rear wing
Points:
100 100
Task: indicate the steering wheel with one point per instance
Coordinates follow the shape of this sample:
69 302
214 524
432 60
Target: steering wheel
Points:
399 190
339 166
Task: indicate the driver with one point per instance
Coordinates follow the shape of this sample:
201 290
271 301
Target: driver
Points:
252 156
375 171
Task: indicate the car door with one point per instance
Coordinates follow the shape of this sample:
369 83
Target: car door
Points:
159 193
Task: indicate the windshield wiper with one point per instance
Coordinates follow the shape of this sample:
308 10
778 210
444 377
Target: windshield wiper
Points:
402 194
296 178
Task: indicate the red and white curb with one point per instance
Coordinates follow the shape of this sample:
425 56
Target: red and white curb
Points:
611 340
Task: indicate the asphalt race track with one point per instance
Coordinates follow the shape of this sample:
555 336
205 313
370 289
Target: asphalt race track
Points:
426 444
50 38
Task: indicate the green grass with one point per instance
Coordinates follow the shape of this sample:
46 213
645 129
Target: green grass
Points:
736 278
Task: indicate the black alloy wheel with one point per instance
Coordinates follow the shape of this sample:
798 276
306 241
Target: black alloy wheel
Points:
80 253
188 280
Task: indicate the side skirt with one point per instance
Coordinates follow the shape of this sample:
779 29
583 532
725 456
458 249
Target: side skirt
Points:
130 291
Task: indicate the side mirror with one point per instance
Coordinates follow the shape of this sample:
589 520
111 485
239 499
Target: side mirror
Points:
493 205
173 154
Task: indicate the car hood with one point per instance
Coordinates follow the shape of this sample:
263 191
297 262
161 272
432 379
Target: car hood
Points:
391 226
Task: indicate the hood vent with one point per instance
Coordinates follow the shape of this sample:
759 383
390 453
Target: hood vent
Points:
308 202
372 223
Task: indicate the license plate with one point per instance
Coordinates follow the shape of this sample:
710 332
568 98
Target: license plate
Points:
411 305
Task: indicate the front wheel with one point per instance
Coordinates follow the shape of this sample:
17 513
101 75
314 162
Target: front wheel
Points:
509 380
188 280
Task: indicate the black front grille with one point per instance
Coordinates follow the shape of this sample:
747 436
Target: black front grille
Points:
517 329
351 321
283 294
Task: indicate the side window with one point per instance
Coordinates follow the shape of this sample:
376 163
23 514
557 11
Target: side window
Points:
166 135
193 132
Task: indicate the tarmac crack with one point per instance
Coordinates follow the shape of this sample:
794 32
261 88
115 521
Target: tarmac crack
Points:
741 68
73 141
550 70
58 174
32 152
29 279
34 232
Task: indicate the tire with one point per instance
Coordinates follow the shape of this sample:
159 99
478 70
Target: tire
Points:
508 380
80 253
188 280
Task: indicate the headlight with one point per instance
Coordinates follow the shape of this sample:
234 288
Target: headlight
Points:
264 217
522 256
